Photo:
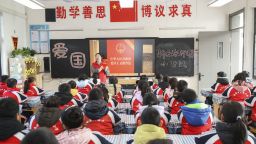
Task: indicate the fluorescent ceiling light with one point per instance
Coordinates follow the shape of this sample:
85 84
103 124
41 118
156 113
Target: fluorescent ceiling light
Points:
218 3
126 3
33 4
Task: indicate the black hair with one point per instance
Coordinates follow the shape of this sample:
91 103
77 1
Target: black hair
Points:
144 77
159 77
143 87
246 73
188 95
182 85
95 77
4 78
8 108
164 85
104 92
11 82
221 74
160 141
72 117
95 94
232 114
98 54
173 82
41 135
64 88
27 82
113 80
82 77
166 78
240 78
150 99
52 101
150 116
72 84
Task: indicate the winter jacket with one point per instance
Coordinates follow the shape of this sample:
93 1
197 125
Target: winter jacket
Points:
222 135
195 118
98 117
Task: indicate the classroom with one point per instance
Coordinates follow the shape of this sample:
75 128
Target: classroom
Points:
127 72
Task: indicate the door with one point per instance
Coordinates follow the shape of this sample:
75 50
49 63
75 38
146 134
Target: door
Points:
214 56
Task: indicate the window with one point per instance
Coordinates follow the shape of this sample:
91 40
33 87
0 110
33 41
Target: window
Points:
236 27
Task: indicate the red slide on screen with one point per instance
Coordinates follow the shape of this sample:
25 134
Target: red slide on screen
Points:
120 54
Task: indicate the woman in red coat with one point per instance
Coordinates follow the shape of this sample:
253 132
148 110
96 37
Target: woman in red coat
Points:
101 68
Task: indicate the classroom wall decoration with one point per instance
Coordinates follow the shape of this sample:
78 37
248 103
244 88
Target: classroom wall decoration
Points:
120 55
39 38
69 58
114 13
174 56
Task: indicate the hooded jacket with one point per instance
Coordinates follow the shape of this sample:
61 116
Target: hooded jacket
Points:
80 136
221 85
164 120
34 90
237 93
47 117
84 86
11 131
98 117
222 135
174 103
147 132
195 118
136 101
66 100
15 94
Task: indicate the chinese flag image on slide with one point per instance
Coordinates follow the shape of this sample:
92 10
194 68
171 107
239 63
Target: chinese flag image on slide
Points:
118 14
120 54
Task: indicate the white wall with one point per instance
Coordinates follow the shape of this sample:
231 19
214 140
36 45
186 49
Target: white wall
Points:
13 19
203 19
249 6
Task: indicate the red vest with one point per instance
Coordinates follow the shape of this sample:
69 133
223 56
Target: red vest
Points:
56 128
69 104
85 90
119 97
136 101
220 88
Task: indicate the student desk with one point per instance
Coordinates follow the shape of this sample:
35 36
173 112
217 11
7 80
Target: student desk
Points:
177 139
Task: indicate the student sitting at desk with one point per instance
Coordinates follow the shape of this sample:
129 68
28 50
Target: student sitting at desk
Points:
156 81
149 130
30 88
219 87
172 88
12 131
162 87
76 132
231 130
150 100
75 93
195 117
221 84
238 91
248 83
137 99
14 92
48 116
84 85
3 84
111 103
66 98
98 117
175 102
115 89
